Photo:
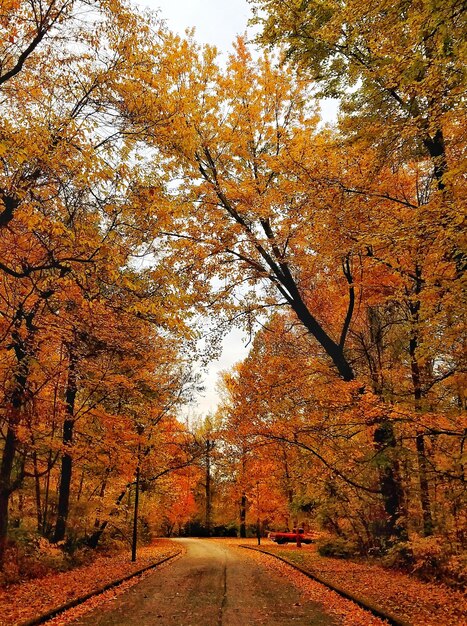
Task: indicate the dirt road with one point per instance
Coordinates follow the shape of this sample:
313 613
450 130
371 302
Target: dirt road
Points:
212 585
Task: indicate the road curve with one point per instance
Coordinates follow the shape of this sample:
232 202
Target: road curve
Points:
211 585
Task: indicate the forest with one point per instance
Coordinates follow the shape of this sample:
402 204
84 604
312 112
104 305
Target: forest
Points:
154 196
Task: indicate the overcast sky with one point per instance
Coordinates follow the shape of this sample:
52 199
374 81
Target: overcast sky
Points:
216 21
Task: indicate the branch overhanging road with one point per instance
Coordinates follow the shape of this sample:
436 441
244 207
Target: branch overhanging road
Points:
211 585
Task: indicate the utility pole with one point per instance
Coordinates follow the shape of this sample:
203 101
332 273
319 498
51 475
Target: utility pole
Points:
134 541
258 529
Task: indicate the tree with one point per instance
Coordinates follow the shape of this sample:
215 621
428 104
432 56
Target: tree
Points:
24 27
397 66
249 208
74 219
282 396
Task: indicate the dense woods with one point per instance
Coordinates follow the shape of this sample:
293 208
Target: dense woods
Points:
152 196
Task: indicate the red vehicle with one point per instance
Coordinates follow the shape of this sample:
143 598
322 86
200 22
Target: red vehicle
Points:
291 536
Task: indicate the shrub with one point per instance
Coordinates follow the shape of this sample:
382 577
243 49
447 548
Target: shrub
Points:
429 559
399 556
436 561
338 547
225 530
455 571
29 555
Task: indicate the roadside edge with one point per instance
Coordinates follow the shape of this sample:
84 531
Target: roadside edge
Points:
44 617
364 604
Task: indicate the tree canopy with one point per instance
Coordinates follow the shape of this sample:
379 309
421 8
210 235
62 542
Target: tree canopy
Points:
150 194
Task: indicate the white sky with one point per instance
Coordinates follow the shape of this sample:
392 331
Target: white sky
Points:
216 22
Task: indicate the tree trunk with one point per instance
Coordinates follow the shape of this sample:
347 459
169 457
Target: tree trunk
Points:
332 349
424 487
243 516
437 151
134 539
288 480
6 469
414 308
18 398
390 484
37 492
97 521
67 462
208 517
45 530
384 440
80 488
